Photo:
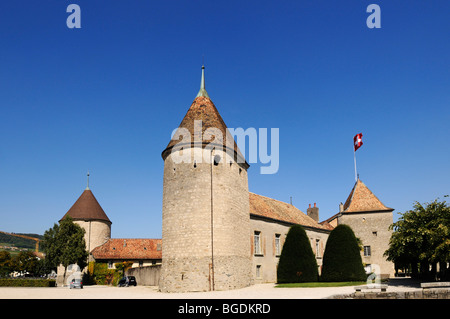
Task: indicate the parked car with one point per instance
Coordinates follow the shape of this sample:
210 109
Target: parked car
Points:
76 283
127 281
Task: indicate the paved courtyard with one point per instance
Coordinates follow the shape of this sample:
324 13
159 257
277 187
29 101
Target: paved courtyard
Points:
260 291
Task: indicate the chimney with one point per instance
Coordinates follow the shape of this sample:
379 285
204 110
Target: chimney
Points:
341 207
313 212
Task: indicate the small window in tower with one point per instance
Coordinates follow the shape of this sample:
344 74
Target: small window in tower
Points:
374 233
240 171
216 160
367 251
195 164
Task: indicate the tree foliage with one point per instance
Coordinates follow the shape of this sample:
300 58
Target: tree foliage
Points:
342 257
64 244
297 261
5 263
421 238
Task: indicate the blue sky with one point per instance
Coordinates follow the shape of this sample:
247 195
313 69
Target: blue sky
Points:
106 97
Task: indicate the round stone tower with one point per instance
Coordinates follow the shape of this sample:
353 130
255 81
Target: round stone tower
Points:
206 220
87 213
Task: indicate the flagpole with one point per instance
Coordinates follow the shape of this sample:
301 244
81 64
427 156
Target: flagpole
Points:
354 158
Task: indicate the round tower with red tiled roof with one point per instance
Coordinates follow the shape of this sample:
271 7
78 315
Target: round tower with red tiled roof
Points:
205 222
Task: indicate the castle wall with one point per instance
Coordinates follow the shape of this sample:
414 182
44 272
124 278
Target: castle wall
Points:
203 249
265 258
372 228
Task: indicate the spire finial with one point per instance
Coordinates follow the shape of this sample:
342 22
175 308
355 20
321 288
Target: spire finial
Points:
87 188
202 91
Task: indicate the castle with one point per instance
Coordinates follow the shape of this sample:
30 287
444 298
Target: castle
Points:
216 235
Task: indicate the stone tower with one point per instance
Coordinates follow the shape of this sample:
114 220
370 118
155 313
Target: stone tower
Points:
206 220
87 213
369 219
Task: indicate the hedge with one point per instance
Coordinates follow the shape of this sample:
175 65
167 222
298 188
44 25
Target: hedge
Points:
342 257
4 282
297 261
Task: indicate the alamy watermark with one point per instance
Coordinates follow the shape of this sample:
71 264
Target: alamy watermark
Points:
200 147
73 21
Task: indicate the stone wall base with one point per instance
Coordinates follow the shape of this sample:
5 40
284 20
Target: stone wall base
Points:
418 294
191 274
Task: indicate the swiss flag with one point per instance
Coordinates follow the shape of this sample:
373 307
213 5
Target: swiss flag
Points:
357 141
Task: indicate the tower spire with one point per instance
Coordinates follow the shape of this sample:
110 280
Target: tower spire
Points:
202 91
87 188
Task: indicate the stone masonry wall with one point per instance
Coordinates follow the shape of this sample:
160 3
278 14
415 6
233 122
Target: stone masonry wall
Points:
372 229
418 294
194 254
264 264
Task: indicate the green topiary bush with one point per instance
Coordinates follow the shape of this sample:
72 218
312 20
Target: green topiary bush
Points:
342 258
297 261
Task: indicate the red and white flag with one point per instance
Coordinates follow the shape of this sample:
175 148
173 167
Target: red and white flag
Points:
357 141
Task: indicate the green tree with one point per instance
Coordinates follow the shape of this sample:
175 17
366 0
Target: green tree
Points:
421 238
342 257
25 262
51 247
297 261
5 263
64 244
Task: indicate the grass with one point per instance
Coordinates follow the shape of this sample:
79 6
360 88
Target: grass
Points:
320 284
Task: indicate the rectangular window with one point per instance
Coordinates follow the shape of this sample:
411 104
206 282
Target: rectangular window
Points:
110 265
277 244
258 271
318 248
366 251
257 241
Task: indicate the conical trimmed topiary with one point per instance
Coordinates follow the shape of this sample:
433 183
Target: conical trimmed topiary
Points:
342 258
297 261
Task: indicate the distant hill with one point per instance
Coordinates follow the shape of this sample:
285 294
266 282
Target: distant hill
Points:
20 242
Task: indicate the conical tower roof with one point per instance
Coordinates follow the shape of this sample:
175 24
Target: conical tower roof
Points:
361 199
87 208
201 121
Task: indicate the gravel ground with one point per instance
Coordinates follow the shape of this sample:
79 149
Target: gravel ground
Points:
260 291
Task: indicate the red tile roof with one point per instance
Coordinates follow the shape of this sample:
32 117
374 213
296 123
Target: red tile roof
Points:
87 208
128 249
274 209
361 199
204 110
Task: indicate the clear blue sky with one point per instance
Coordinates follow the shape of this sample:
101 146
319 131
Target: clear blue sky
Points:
106 97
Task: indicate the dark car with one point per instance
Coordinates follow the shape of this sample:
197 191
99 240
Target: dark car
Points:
127 281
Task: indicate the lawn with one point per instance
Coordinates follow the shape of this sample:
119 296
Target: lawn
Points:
320 284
